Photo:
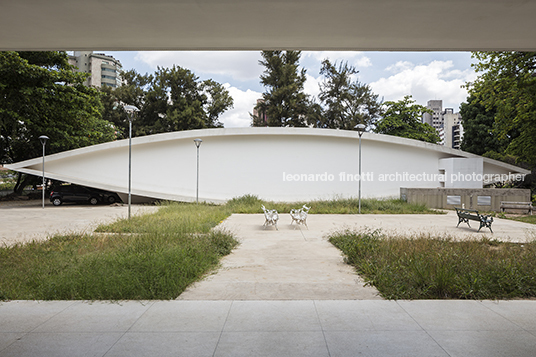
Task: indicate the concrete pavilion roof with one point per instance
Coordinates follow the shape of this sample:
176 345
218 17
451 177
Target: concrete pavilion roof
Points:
417 25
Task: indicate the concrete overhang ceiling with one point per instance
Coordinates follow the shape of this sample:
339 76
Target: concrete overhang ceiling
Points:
268 24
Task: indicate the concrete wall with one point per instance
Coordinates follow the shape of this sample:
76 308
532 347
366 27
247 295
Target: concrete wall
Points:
281 164
484 199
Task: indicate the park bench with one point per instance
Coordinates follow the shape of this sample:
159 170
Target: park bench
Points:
271 217
300 216
466 215
517 206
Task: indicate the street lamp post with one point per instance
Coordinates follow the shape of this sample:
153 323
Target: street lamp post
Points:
197 145
131 110
43 139
360 130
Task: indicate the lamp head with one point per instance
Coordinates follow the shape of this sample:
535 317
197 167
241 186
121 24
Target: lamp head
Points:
360 129
131 110
43 139
197 142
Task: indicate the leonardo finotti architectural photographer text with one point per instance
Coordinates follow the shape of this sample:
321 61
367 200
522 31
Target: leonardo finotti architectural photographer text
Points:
400 177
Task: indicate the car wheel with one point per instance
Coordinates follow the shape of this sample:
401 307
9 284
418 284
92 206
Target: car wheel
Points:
93 200
57 201
111 199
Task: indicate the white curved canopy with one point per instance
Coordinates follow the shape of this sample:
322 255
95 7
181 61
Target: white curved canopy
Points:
268 24
280 164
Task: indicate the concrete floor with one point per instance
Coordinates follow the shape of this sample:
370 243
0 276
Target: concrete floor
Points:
287 314
268 328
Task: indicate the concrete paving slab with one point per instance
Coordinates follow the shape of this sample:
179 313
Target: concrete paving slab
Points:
24 316
273 316
27 221
486 343
271 344
382 343
95 316
192 316
465 315
368 315
165 344
522 312
62 345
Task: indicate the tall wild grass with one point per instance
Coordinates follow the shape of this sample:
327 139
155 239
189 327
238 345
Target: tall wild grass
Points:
252 204
440 268
154 257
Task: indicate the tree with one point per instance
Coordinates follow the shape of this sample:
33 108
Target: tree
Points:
40 94
507 84
478 126
173 99
133 92
403 118
284 102
346 102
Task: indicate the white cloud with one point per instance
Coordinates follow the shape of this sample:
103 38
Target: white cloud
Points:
436 80
312 85
239 65
244 101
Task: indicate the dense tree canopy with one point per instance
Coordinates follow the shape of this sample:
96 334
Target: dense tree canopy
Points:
41 95
507 85
172 99
478 126
404 118
284 102
345 102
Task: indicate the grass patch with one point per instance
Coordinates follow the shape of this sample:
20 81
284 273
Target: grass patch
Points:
440 268
252 204
168 251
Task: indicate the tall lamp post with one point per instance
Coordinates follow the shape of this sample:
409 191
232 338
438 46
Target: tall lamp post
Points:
43 139
131 110
360 130
197 145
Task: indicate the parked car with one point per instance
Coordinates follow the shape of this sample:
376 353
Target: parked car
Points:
81 194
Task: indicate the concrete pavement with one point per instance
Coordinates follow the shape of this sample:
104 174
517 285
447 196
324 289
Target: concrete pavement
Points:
291 263
268 328
24 221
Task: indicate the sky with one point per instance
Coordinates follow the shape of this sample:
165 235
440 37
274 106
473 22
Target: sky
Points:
391 75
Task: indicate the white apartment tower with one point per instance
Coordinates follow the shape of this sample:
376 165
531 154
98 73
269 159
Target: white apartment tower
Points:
446 122
104 69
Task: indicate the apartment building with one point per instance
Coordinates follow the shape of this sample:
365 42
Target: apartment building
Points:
447 123
104 70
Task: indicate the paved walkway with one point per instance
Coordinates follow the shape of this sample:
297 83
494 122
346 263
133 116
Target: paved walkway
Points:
289 264
268 328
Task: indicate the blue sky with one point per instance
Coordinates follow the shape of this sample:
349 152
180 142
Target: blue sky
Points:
392 75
